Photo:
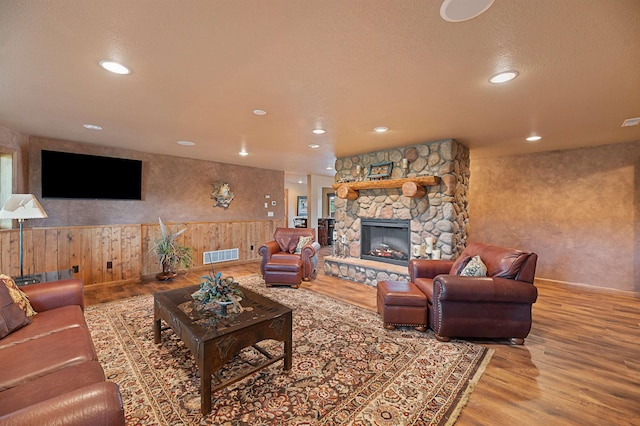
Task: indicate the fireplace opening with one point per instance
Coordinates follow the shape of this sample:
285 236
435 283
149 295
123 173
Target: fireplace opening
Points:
385 240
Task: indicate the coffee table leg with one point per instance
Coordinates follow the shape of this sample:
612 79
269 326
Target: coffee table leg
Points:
156 330
205 385
288 343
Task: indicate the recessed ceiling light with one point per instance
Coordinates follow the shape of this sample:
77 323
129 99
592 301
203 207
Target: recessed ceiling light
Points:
503 77
299 181
329 168
186 143
92 126
314 145
114 67
463 10
259 112
380 129
629 122
534 138
243 152
319 131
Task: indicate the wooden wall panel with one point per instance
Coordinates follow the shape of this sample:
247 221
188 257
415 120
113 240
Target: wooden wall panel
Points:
127 247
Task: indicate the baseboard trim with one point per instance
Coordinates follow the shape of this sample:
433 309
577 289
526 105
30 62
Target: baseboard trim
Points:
592 288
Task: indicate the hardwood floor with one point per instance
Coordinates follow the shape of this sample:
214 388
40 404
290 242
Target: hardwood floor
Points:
580 364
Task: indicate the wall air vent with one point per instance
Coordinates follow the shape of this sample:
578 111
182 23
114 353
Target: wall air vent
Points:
219 256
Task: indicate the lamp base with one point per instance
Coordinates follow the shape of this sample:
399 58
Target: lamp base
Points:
26 280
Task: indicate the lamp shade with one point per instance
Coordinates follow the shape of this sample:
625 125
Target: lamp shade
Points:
22 206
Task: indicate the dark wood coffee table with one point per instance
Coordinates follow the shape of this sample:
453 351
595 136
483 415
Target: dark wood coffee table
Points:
213 340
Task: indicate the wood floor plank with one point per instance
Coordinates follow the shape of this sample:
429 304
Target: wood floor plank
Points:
580 365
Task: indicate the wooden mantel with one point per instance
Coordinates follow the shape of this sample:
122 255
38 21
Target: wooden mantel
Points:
411 187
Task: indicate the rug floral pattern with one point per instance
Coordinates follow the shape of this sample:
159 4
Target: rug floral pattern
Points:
347 369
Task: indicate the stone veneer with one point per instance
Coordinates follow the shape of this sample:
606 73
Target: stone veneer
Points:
441 214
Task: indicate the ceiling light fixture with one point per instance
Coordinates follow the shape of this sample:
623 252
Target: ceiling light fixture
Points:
319 131
259 112
534 138
314 146
243 152
300 181
329 168
115 67
380 129
92 126
503 77
463 10
186 143
629 122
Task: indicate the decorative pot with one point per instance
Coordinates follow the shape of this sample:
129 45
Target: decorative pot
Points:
167 273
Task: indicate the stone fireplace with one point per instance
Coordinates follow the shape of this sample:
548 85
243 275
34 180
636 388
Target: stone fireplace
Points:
436 211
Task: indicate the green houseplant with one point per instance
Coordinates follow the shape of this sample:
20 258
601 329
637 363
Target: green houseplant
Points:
216 291
170 254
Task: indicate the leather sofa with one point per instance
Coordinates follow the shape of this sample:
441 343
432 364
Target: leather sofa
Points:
497 305
49 373
281 252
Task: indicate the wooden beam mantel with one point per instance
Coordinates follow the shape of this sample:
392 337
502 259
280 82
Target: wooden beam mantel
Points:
411 187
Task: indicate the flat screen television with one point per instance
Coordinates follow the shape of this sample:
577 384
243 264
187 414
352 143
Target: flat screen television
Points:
69 175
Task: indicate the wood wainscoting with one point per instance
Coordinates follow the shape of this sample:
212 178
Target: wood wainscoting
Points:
126 247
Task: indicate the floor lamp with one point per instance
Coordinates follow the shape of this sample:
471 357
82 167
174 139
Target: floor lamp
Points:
21 207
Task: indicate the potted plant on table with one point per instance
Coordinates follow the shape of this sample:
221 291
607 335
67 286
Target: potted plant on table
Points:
170 254
216 292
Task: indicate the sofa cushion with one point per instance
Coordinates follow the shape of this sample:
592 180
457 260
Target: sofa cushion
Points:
50 386
474 268
47 322
17 295
12 317
35 358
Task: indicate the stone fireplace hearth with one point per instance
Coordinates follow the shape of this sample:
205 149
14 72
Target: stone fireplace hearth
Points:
438 213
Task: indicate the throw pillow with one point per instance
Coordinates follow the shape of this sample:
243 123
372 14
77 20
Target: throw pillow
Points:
459 265
17 295
303 241
293 243
475 268
12 317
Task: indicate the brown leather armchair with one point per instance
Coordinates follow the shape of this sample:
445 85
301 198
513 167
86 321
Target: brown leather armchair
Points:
495 306
280 254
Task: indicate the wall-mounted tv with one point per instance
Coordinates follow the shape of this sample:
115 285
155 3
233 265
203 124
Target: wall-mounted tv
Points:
69 175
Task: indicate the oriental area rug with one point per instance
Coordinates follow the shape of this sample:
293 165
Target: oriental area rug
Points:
347 369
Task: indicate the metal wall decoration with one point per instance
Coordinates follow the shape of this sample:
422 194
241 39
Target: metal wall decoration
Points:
221 195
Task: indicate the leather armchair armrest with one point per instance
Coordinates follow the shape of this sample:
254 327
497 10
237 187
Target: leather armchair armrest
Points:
54 294
426 268
98 404
268 249
309 250
483 289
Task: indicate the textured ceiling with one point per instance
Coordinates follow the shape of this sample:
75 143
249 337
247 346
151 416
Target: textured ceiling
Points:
199 68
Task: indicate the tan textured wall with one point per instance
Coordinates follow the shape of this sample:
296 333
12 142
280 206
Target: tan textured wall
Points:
579 210
174 188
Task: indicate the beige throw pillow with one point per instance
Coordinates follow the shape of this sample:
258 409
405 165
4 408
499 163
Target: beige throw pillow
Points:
475 268
303 241
17 295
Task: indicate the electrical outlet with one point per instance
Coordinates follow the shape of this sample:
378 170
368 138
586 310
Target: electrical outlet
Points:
266 205
109 265
76 269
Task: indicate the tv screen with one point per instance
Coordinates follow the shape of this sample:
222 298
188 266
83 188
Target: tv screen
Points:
69 175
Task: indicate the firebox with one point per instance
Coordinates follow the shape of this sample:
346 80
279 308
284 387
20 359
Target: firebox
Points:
385 240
